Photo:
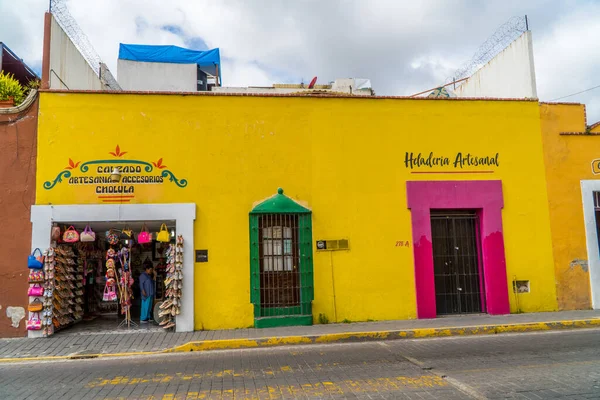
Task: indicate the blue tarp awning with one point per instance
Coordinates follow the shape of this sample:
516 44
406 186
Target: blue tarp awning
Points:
208 60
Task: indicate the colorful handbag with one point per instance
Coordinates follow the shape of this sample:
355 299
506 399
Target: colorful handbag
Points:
34 262
36 276
112 237
109 293
35 290
71 235
55 235
144 236
163 235
34 323
35 306
88 235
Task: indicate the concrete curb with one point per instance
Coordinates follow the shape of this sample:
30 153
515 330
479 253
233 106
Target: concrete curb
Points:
350 337
343 337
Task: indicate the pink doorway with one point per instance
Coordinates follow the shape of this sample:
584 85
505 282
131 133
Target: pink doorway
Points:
483 196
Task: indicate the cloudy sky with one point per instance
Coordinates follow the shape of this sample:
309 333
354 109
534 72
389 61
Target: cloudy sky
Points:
403 46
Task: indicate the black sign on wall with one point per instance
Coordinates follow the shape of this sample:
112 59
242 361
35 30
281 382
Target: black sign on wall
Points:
201 256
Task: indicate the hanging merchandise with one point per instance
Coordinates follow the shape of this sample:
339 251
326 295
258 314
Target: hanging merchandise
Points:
35 290
110 289
163 235
67 295
111 253
112 237
144 236
47 312
109 293
34 323
128 232
171 307
71 235
88 235
35 262
125 287
36 276
55 235
35 306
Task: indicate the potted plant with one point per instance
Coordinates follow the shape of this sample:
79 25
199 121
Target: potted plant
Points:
11 91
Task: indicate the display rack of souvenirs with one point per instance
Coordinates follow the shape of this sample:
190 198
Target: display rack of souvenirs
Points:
171 307
47 311
36 291
125 284
68 289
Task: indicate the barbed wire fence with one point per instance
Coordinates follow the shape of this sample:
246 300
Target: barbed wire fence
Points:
60 11
500 39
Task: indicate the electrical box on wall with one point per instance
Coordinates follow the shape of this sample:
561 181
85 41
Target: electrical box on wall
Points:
333 245
521 286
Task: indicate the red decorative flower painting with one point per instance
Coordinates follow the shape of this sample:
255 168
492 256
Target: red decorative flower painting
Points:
158 164
117 152
72 165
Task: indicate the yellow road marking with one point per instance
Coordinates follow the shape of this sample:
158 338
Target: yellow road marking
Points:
322 389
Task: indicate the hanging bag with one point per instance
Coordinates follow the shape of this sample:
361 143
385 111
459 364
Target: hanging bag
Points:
35 306
35 262
34 323
112 237
35 290
36 276
88 235
71 235
109 293
163 235
55 235
144 236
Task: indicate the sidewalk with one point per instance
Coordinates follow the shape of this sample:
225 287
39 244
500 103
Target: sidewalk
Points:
119 343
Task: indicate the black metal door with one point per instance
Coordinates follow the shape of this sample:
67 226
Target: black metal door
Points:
456 262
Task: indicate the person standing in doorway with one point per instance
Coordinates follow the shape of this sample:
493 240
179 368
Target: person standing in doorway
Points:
147 289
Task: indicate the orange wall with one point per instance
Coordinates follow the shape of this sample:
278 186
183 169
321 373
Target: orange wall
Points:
17 193
568 160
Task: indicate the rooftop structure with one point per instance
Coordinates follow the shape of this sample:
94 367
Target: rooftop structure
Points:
352 86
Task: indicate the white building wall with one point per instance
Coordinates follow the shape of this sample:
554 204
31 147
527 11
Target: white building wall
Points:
155 76
68 68
511 74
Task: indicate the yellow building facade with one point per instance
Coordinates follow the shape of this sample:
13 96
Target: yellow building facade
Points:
384 179
572 169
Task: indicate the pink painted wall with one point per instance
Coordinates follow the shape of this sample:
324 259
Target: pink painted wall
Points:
484 196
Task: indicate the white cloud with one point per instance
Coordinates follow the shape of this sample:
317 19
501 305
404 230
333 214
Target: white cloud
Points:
402 46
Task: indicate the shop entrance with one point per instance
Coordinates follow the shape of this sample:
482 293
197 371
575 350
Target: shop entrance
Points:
103 217
84 302
456 260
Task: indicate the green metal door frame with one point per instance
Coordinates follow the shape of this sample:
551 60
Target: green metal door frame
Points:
283 316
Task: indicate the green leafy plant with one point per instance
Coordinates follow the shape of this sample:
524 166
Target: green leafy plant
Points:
10 87
323 320
33 84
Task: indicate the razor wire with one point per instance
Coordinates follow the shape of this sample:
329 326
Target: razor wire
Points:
60 11
500 39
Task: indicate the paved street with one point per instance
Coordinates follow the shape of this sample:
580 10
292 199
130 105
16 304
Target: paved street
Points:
559 364
82 339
